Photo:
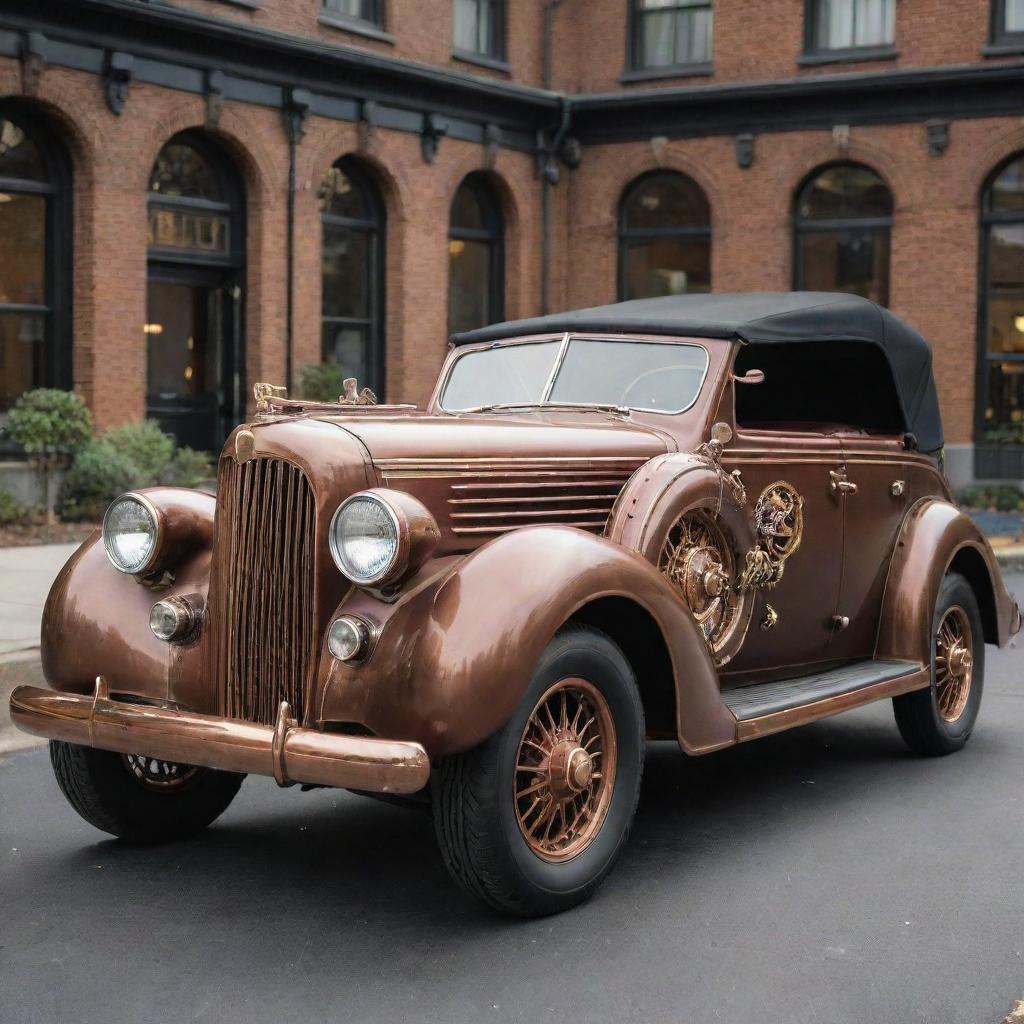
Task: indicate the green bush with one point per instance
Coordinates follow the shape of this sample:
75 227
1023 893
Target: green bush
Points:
98 475
1001 497
11 510
321 382
189 468
146 447
51 425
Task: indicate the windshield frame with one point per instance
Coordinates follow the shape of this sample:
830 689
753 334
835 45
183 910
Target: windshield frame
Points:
564 341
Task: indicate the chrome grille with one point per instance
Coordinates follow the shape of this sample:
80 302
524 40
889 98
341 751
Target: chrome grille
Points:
264 571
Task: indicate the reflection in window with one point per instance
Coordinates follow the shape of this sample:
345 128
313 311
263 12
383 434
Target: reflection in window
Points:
664 237
1001 381
370 11
850 24
475 257
671 33
187 207
479 27
29 281
843 222
352 219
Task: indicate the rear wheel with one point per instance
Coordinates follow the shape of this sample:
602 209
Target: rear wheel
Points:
940 719
532 820
140 798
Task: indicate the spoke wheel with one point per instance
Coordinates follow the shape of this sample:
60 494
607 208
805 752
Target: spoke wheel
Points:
565 770
161 775
954 663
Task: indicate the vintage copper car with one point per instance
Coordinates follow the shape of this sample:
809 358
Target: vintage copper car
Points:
700 517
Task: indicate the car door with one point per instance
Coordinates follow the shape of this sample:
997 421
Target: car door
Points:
792 626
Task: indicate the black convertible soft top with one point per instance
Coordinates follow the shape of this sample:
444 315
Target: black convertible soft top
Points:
764 318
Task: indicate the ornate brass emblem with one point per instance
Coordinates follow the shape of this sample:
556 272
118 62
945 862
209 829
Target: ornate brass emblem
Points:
266 393
779 521
698 559
771 617
353 396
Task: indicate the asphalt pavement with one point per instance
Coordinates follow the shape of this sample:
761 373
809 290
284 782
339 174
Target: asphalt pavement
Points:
823 875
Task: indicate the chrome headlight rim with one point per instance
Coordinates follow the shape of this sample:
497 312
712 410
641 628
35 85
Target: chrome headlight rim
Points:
158 531
394 565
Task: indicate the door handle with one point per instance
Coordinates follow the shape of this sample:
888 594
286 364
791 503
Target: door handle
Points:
839 483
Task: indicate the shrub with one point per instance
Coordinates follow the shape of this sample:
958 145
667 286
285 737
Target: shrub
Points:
1001 497
51 425
146 447
321 382
98 475
189 468
11 510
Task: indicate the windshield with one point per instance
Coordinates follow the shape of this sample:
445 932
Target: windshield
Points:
608 372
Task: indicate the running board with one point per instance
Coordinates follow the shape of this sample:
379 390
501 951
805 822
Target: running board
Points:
771 707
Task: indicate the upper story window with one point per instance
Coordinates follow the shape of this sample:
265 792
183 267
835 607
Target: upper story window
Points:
850 25
1008 21
369 11
478 28
667 34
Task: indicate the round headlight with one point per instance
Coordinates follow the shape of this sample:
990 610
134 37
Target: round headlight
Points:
365 538
130 534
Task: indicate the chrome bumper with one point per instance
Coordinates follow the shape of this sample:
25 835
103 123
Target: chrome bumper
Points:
285 751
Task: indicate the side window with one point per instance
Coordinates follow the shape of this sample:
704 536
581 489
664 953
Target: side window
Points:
818 386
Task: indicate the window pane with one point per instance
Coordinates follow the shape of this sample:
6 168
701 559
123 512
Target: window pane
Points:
22 355
187 229
469 284
467 212
663 377
693 37
181 171
845 191
1005 313
835 24
466 25
875 22
1004 411
365 10
1006 194
657 39
667 266
348 347
22 249
856 262
347 269
667 200
19 157
507 373
340 196
1014 16
182 329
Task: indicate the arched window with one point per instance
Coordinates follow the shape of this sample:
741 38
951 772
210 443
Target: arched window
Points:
35 257
476 287
194 297
1000 385
664 237
352 215
843 223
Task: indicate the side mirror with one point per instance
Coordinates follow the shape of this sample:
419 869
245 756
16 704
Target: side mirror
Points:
750 377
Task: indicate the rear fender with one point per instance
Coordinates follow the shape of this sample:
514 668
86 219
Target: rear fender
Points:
936 538
454 658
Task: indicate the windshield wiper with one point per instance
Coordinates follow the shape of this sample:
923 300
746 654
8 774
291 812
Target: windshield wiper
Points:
581 406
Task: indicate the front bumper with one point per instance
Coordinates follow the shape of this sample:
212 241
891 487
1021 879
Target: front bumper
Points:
289 753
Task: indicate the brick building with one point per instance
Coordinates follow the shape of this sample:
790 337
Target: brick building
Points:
202 194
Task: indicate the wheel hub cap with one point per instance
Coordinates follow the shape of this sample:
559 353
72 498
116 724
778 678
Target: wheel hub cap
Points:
954 663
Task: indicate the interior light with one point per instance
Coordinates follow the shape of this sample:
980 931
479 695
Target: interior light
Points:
6 197
1018 323
455 247
152 328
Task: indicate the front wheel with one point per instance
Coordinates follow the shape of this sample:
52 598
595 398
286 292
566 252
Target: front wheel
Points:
532 820
939 719
140 798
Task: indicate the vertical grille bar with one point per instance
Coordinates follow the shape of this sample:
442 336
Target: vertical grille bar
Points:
265 537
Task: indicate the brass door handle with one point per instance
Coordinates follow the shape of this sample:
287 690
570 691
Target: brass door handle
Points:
840 484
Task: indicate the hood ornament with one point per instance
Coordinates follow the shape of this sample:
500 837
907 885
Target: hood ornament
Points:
265 395
353 396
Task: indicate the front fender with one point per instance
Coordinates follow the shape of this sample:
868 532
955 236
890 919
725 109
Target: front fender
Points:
454 658
936 538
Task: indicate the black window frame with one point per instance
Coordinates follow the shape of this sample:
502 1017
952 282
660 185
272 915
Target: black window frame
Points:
492 233
626 234
637 69
799 226
495 51
813 53
58 257
376 226
1002 40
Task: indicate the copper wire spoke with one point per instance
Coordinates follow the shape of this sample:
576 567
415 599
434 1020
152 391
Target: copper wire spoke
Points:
954 651
561 801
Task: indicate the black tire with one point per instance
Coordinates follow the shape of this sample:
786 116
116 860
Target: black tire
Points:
475 813
102 787
923 727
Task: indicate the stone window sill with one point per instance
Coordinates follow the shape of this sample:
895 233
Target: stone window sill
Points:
355 26
847 56
675 71
481 60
